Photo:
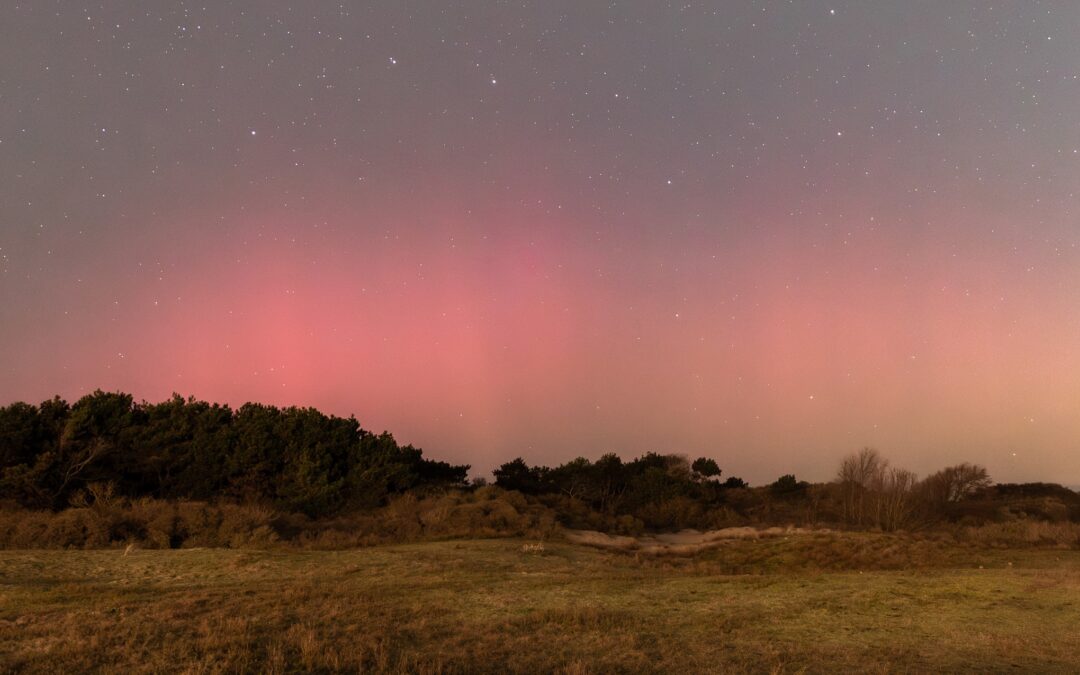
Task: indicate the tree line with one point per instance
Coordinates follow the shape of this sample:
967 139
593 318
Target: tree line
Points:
297 459
668 490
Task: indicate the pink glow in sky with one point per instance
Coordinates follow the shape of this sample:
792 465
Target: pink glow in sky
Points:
770 238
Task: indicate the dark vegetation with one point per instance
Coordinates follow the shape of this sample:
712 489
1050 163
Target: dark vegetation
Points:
107 471
294 459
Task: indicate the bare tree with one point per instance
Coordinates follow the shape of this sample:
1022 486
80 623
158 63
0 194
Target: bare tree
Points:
80 458
875 494
897 499
954 484
860 476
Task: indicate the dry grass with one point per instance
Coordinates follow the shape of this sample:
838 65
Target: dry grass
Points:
823 603
149 523
1023 532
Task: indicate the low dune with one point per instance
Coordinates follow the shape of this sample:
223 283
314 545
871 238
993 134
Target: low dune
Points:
683 542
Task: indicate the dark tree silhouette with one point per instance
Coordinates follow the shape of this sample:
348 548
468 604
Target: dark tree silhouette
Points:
294 458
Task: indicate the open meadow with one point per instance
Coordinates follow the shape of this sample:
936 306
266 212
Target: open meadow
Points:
803 603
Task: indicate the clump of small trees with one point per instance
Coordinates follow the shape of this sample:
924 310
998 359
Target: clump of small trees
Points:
656 489
875 494
954 484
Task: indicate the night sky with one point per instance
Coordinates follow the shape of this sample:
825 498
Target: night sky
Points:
766 232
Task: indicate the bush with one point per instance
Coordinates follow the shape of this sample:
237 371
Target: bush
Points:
1022 533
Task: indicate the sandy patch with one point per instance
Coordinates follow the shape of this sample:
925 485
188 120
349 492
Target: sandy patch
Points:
683 542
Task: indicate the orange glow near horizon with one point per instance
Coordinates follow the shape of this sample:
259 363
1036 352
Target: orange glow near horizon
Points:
483 347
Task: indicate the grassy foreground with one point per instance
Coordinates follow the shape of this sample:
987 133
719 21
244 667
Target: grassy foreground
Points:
816 603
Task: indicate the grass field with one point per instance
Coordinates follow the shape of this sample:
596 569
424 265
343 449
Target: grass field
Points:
814 603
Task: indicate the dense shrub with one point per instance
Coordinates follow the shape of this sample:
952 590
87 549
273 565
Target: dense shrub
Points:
152 523
297 459
1022 532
